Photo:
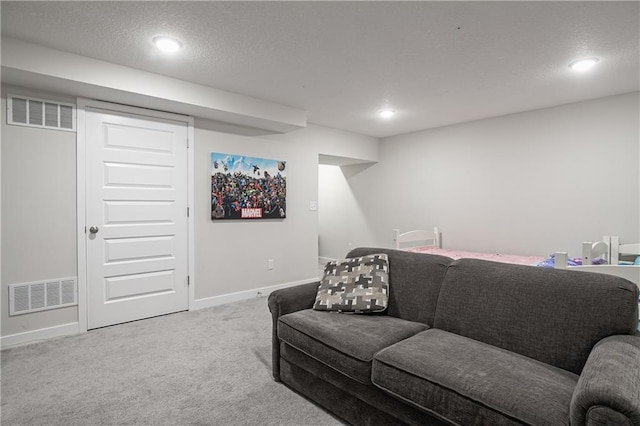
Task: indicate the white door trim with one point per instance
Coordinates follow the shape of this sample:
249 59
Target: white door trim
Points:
82 105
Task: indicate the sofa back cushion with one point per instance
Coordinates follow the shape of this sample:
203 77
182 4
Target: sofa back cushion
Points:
554 316
414 282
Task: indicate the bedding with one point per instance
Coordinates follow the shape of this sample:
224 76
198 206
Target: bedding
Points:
550 262
495 257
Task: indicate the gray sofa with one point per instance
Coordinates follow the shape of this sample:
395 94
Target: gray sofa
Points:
468 342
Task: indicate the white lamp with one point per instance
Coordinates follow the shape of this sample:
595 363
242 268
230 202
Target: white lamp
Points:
167 44
386 113
583 64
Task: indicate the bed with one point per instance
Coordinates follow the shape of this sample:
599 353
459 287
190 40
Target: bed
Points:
606 257
430 242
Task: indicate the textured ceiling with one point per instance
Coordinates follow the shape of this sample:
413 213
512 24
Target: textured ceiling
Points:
435 63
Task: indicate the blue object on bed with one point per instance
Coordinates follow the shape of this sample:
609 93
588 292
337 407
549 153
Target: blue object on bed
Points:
550 262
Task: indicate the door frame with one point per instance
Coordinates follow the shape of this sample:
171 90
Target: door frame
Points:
81 167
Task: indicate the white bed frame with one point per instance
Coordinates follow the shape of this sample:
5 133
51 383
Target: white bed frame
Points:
424 238
609 248
612 253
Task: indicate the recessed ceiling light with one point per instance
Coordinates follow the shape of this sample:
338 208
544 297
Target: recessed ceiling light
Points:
583 64
386 113
167 44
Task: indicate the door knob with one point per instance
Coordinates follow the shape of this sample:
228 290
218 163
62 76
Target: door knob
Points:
94 229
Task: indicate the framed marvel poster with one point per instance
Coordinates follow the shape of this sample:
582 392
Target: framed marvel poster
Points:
247 187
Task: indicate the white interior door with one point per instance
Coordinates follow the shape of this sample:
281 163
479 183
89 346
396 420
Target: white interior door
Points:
136 217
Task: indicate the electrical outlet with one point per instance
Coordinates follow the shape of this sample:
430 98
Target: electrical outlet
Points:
270 264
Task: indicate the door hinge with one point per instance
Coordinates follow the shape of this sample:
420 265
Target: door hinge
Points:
187 211
188 280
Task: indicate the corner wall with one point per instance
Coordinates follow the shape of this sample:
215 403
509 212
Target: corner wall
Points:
343 224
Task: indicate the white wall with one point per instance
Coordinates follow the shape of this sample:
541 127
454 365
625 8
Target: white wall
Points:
38 214
529 183
231 256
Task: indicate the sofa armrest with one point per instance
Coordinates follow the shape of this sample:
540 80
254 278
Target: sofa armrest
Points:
286 301
608 390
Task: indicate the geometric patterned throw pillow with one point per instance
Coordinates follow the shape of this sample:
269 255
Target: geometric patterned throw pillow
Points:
357 285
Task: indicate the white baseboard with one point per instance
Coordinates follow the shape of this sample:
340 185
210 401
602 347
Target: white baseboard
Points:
209 302
21 339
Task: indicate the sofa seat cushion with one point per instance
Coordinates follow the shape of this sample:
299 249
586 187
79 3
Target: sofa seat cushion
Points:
470 382
345 342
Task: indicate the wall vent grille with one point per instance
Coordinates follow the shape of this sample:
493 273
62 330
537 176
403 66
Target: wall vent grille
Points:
37 296
34 112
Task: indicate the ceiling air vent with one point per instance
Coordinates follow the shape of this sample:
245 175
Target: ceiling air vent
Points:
42 295
33 112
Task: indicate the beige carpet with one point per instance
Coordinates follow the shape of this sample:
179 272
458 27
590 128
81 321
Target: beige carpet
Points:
207 367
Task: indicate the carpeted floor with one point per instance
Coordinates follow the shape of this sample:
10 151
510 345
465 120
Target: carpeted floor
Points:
206 367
